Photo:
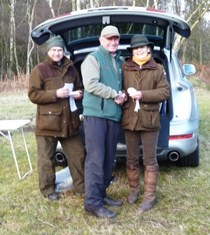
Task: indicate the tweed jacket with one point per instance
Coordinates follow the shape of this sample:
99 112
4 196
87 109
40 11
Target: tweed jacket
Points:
53 117
151 80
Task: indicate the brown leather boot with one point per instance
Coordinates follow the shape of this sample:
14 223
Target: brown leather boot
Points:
133 196
133 174
150 183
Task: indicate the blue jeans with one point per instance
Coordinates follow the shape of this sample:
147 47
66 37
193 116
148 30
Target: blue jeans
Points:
101 136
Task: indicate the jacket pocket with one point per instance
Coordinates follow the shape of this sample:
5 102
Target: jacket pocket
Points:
75 119
129 117
150 116
50 118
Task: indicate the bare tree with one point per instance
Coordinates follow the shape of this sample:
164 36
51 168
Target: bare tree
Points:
17 18
3 41
153 4
156 4
91 3
195 16
30 16
13 49
51 7
78 5
73 5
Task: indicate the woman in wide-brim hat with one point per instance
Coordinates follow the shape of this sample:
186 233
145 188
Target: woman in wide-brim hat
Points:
147 87
140 41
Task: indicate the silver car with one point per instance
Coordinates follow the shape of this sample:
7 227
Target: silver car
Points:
179 135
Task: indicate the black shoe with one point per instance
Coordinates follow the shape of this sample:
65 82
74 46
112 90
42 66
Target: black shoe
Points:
112 202
102 212
53 196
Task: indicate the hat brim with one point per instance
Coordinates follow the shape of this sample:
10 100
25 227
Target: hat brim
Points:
150 44
111 35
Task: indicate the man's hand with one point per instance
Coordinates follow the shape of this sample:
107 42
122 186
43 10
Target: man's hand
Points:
78 94
62 92
120 99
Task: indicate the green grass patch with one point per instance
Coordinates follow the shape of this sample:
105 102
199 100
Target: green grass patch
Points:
182 194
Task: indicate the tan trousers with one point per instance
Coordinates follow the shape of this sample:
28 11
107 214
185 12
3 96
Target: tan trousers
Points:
133 141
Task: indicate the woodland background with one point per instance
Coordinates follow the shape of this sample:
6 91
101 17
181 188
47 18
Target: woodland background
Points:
18 54
183 193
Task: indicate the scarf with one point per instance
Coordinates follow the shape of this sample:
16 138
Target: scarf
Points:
141 61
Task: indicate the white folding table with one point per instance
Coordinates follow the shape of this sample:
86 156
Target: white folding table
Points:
6 127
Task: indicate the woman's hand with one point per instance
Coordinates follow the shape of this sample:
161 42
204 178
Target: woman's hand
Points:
134 94
137 95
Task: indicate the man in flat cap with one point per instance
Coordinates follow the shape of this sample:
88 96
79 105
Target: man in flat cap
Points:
56 118
102 80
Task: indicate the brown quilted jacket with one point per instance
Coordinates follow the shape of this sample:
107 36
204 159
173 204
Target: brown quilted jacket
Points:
53 117
151 80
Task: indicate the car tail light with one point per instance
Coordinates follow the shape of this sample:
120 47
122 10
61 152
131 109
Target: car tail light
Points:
181 137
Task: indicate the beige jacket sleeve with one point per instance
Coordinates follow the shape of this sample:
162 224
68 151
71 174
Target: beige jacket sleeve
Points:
90 70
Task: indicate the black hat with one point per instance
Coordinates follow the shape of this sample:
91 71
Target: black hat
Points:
138 41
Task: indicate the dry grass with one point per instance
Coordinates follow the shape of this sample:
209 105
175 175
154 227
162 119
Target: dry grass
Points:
13 85
183 193
14 101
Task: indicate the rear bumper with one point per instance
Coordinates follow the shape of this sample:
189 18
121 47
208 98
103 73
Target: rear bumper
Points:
181 148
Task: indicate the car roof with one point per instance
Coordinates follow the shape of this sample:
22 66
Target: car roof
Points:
82 28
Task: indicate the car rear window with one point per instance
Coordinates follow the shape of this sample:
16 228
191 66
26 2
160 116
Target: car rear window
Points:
125 28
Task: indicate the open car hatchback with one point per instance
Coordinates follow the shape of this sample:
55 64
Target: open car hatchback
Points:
179 135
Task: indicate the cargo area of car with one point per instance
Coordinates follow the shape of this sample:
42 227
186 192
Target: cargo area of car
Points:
165 109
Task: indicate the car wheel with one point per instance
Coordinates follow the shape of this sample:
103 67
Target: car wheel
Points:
191 160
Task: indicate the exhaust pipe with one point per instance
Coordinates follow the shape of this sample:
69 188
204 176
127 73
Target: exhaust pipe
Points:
60 159
173 156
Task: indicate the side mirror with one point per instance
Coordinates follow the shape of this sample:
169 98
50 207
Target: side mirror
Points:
189 69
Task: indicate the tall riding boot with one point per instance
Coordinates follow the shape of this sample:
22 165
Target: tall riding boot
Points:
133 174
150 183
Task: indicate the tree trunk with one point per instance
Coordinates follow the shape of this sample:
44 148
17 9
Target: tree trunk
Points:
30 46
200 51
51 7
11 47
73 5
78 5
179 41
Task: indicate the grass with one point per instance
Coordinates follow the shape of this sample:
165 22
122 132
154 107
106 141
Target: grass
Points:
183 193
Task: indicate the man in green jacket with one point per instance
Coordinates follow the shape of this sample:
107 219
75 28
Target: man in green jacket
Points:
102 80
57 118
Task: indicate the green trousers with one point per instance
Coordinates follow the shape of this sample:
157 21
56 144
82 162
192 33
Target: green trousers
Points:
75 151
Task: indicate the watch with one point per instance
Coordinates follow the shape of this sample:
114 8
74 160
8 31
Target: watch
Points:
116 97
